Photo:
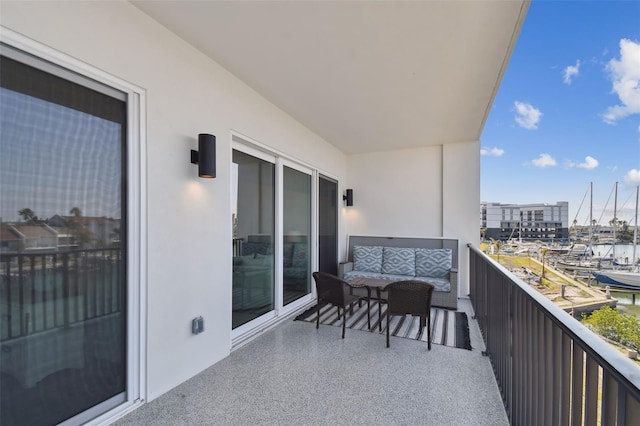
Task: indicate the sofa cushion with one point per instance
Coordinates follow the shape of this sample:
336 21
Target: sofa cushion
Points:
253 248
439 284
367 258
287 255
350 276
300 256
398 261
434 263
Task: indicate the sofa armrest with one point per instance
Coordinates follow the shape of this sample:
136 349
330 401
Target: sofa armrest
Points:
344 267
453 279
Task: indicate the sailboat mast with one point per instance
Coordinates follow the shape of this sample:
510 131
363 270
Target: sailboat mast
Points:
590 213
635 230
615 220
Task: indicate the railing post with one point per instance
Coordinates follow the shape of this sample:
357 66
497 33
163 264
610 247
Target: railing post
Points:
65 289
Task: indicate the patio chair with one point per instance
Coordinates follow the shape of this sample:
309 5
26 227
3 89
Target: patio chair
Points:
333 290
410 297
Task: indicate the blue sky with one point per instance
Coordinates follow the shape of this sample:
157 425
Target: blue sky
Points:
568 111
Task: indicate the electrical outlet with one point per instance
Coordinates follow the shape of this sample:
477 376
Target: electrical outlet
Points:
197 325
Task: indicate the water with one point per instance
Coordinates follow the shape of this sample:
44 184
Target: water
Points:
627 297
623 251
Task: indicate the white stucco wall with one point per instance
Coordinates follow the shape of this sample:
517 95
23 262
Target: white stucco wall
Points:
461 201
396 193
189 219
426 192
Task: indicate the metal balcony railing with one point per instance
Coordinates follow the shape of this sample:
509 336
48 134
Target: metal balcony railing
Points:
45 290
551 370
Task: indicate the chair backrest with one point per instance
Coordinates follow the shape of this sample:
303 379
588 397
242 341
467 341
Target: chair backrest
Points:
330 288
409 297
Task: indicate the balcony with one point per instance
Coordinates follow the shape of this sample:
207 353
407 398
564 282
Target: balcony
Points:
548 368
297 375
531 363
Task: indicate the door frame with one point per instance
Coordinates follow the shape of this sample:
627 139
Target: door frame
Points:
136 262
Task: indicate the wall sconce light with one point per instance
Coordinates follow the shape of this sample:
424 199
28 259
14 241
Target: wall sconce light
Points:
205 156
348 198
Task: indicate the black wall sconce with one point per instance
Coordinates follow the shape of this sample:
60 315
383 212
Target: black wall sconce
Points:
205 156
348 198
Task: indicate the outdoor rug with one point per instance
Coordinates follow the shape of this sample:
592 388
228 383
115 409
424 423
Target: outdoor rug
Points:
448 327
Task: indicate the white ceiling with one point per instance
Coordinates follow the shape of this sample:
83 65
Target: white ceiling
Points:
365 75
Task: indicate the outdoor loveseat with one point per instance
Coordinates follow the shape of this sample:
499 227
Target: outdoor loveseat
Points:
433 260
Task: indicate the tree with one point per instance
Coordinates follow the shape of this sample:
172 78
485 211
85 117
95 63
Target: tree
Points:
626 233
79 232
498 245
28 215
610 324
543 251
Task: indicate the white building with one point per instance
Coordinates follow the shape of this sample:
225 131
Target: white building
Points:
525 221
306 99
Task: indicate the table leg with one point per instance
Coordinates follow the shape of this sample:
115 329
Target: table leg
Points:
369 307
378 292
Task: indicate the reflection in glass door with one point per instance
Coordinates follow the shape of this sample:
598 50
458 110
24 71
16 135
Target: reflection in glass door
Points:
296 247
328 226
253 237
63 251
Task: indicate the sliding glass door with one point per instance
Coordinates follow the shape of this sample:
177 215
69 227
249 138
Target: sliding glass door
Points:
272 216
296 241
63 244
328 225
253 219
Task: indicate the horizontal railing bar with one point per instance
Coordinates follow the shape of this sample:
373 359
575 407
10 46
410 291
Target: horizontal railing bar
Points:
42 290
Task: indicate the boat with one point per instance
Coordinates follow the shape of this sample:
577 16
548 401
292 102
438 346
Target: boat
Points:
624 279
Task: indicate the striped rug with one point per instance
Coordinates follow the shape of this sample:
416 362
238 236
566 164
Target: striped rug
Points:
448 328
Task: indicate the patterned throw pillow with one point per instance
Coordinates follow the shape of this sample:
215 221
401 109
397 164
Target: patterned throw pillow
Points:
399 261
287 255
433 262
367 258
300 257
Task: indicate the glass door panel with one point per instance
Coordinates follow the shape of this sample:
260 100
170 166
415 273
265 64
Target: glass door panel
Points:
253 219
328 226
63 288
296 244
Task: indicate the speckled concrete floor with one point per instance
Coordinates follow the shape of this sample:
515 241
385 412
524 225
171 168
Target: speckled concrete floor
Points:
294 374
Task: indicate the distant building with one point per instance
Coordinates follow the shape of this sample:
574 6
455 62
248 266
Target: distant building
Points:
60 233
529 222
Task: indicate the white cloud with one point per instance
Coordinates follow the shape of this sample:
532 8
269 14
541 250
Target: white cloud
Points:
625 78
589 163
632 178
527 116
492 152
545 160
571 71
